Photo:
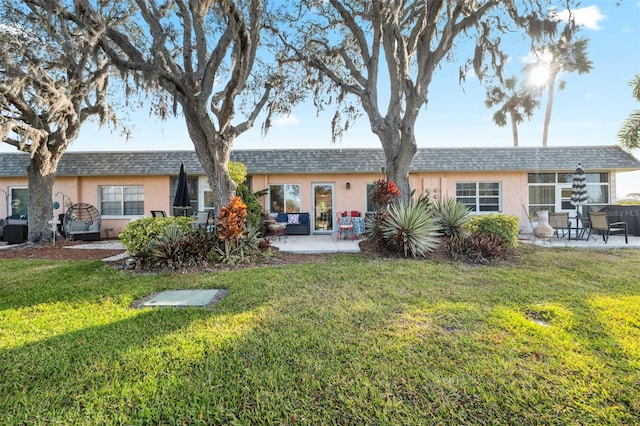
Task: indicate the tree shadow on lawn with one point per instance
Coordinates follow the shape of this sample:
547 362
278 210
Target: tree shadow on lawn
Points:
93 365
48 282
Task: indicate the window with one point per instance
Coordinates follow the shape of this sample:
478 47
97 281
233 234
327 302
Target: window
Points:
192 182
18 201
552 191
121 200
284 198
371 206
479 196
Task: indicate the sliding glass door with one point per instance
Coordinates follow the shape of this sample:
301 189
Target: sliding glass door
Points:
322 207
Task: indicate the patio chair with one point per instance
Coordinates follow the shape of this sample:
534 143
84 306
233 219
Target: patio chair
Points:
582 225
600 222
158 213
204 220
560 222
345 224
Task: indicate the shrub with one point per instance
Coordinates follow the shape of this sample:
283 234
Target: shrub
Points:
237 172
385 193
178 249
255 214
239 250
451 217
506 227
238 239
139 234
410 229
477 248
374 224
232 220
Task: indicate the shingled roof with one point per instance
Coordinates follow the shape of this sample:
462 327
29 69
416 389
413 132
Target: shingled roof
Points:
325 161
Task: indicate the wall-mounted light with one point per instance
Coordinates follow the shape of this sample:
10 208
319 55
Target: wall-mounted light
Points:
348 185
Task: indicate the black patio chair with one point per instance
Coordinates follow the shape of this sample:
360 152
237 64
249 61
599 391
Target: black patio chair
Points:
600 222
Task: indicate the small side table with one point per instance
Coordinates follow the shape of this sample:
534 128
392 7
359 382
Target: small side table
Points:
277 229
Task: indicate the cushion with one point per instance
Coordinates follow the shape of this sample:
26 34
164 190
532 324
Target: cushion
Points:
94 227
354 213
282 217
77 226
294 219
304 218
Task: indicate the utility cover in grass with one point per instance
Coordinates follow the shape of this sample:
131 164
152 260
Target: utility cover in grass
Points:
182 298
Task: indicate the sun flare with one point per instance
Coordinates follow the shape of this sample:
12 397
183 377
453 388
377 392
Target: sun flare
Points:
539 75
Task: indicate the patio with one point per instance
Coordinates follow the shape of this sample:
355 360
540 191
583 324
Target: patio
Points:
615 241
311 244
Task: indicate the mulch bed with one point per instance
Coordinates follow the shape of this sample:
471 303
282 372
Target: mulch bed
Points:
62 251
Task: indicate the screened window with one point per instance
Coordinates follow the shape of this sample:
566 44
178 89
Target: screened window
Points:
284 198
479 196
116 200
18 202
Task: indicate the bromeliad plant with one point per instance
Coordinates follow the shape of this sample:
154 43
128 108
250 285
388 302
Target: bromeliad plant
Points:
384 194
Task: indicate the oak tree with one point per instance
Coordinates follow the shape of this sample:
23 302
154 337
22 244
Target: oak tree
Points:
203 59
380 56
52 80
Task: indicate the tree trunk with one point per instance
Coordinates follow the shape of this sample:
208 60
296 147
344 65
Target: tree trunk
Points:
41 174
547 115
214 151
399 148
514 128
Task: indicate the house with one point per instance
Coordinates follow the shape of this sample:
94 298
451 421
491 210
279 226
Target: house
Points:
513 180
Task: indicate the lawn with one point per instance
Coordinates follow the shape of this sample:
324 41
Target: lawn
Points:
551 338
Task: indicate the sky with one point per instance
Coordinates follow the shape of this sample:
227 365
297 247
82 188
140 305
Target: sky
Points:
589 111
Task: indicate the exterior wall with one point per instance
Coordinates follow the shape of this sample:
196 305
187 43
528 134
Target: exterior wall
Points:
354 198
69 190
513 188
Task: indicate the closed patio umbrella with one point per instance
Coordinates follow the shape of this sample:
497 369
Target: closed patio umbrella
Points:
579 189
182 199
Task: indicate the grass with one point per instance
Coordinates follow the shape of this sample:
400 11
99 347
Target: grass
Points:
553 338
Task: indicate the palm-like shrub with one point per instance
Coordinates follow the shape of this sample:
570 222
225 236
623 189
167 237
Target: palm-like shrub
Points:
411 230
451 217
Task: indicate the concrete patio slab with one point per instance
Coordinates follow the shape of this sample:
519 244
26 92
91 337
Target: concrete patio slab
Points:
312 244
595 242
182 298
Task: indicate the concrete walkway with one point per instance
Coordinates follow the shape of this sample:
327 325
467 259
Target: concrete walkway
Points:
325 243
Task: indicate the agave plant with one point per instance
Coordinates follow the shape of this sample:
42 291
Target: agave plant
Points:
412 229
451 217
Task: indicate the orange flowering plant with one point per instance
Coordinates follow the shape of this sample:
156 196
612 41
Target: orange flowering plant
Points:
385 193
232 220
